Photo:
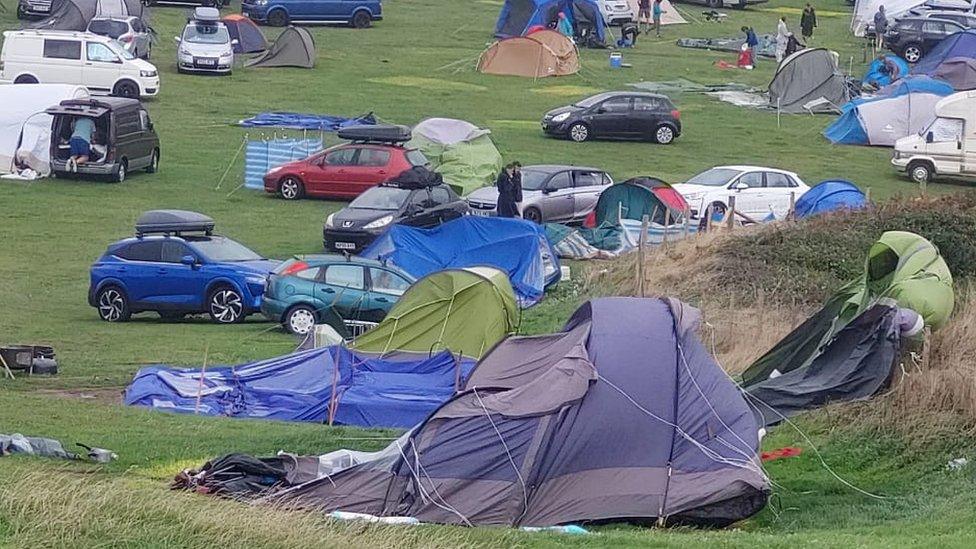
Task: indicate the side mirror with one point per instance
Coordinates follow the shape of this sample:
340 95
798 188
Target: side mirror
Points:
177 39
189 260
929 138
151 127
234 42
601 110
740 186
414 209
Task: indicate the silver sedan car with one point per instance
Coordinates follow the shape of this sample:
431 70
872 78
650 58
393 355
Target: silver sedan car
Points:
132 32
549 193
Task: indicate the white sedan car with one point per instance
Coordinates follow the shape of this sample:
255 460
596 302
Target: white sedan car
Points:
758 191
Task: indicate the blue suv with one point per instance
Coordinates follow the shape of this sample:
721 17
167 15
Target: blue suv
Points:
176 266
278 13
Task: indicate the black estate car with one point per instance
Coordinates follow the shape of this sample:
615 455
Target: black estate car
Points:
913 37
626 115
417 197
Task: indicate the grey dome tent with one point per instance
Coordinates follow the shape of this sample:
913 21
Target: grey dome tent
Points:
293 48
809 81
622 416
74 15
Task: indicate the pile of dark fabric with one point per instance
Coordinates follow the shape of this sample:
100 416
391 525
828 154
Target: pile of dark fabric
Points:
240 476
417 177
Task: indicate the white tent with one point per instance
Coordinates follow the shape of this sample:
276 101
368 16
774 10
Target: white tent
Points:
864 11
669 15
25 126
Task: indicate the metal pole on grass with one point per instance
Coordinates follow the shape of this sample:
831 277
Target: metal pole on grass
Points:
730 215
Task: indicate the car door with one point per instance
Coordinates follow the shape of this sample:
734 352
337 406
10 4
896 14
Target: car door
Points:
778 189
749 200
647 115
558 197
183 285
370 169
612 118
385 288
420 210
443 203
330 175
129 139
934 32
343 287
141 272
587 187
102 67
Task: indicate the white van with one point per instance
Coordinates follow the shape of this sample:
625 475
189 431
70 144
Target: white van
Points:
947 147
65 57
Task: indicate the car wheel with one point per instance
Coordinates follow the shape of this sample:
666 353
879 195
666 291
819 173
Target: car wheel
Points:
664 134
291 188
920 172
25 79
153 166
126 88
361 20
278 18
225 305
121 171
299 320
113 305
912 53
579 132
533 215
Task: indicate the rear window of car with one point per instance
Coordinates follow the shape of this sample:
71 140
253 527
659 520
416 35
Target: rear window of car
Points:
62 49
107 27
417 158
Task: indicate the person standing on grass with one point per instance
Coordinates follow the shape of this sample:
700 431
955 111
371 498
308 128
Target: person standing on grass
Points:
517 187
643 14
752 43
808 22
506 192
656 12
880 27
782 39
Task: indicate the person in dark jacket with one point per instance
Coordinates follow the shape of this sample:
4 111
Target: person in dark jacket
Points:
509 190
808 22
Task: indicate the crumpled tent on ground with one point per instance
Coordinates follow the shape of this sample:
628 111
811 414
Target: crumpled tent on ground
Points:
538 55
809 81
249 37
884 70
460 151
25 127
294 47
519 17
765 48
517 247
902 269
829 196
305 121
622 416
466 311
398 390
959 72
960 44
903 108
74 15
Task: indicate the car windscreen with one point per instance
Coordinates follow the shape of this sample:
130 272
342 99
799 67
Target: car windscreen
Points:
220 248
534 180
381 198
120 50
108 27
715 177
206 34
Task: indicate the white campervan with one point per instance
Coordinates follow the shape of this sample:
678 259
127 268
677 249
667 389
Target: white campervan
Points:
947 146
65 57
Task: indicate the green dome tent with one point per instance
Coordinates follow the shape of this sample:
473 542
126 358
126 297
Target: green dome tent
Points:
466 311
460 151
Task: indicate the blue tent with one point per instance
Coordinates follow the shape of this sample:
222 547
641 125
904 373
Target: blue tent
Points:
897 110
518 16
517 247
828 196
399 390
960 44
885 70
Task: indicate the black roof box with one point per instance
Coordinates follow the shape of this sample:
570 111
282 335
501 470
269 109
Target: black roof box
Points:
206 15
173 221
416 177
378 133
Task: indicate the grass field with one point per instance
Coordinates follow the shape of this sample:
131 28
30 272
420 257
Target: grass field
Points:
53 229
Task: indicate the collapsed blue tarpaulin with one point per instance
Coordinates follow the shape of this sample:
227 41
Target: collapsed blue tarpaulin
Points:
262 155
828 196
518 247
884 70
303 121
399 390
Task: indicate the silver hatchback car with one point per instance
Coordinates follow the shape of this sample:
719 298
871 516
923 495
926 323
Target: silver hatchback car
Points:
132 32
549 193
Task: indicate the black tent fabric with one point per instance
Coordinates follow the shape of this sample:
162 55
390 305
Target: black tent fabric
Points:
249 37
74 15
857 363
417 177
293 48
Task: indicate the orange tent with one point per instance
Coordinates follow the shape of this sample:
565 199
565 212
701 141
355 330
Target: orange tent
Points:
540 54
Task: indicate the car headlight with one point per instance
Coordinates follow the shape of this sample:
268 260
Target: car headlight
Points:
560 117
256 280
227 55
328 220
694 197
260 2
381 222
185 53
147 74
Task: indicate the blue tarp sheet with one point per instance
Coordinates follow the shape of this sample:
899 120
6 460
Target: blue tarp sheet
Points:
303 121
261 156
396 391
879 75
518 247
960 44
828 196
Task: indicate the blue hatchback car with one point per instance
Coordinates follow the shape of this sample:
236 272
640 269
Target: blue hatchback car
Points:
176 266
278 13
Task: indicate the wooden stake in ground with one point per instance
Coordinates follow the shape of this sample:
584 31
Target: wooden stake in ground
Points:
645 222
792 213
6 368
730 215
203 371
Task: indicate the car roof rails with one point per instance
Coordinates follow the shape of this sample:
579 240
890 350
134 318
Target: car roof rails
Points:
376 133
173 222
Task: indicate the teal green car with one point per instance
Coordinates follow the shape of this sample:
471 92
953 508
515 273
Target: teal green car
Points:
327 289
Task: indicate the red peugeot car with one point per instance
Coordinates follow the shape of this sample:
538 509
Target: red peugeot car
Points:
343 171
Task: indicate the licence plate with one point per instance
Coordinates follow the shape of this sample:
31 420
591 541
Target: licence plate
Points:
345 246
207 62
481 213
